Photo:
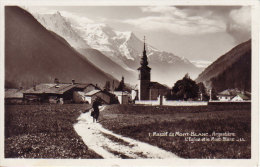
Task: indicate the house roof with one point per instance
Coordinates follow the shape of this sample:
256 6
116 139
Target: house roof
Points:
243 96
13 93
235 92
156 85
85 85
229 92
248 94
93 92
82 86
120 93
51 88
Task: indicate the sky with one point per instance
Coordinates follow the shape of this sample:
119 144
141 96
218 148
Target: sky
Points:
198 33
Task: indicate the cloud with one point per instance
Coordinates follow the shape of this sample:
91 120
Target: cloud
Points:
176 21
197 20
164 10
239 25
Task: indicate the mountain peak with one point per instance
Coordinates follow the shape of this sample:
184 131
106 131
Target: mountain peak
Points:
124 48
58 13
43 58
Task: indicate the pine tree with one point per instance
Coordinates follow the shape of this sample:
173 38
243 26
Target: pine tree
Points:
121 85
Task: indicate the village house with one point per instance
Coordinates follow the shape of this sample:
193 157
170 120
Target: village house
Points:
79 96
105 97
241 97
53 92
233 95
14 96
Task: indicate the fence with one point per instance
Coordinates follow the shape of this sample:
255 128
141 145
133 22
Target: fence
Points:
148 102
171 102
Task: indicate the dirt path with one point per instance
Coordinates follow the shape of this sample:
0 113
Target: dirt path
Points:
110 145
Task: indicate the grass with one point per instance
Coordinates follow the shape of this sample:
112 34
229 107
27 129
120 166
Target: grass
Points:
138 121
44 131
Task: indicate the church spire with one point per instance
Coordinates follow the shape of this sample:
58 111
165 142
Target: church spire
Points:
144 61
144 44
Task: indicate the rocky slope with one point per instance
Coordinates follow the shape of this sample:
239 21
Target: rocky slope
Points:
33 54
232 70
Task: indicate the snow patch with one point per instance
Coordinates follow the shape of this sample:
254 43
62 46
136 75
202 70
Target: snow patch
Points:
201 63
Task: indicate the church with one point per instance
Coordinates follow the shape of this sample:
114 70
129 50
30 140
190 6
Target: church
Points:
149 90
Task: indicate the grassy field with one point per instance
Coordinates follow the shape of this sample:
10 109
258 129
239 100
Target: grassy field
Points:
44 131
139 121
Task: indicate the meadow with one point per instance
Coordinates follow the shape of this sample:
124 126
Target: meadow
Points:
157 125
44 131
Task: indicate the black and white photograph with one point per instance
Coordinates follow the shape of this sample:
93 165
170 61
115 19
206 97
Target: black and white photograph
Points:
129 82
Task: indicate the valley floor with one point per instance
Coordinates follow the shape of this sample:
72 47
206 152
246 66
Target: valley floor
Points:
177 129
126 131
44 131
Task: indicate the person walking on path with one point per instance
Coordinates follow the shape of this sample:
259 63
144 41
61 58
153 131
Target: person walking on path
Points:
95 112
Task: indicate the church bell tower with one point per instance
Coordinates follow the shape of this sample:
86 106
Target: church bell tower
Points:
144 77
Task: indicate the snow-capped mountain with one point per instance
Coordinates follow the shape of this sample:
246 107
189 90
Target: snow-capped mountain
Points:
58 24
124 48
35 55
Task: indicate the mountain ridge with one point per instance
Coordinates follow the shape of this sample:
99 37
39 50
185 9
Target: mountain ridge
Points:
229 65
34 55
124 48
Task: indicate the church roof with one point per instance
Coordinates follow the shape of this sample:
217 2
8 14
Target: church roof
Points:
156 85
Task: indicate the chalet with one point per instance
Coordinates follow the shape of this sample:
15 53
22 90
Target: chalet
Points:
226 95
89 87
233 95
13 96
79 96
105 97
241 97
53 92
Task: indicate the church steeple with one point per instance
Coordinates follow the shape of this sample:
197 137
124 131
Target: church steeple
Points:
144 61
144 52
144 77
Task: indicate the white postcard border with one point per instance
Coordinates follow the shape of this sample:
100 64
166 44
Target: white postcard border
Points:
143 162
